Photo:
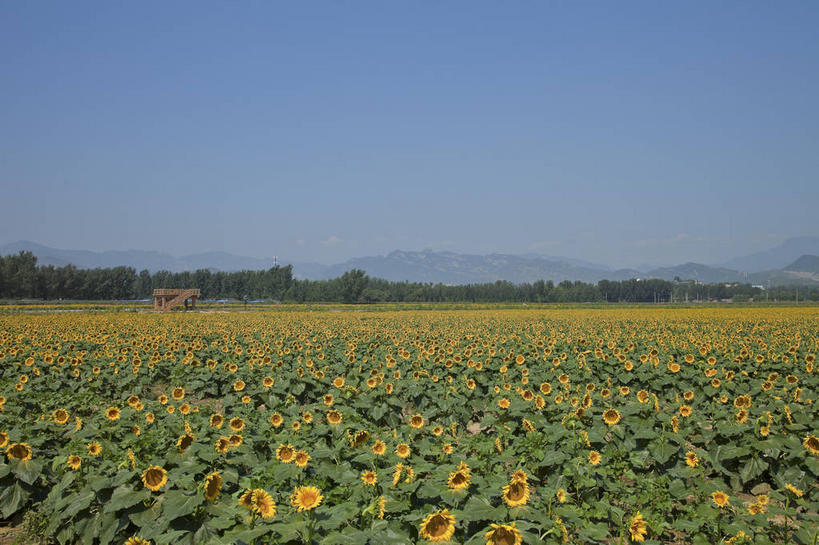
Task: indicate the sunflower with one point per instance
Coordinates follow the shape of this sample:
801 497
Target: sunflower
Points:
360 438
276 420
213 486
246 499
611 417
185 441
262 503
4 439
379 448
301 458
637 527
503 403
561 495
135 540
685 410
460 478
154 478
59 416
720 498
268 382
285 453
94 449
235 439
402 450
239 385
811 443
306 498
643 396
796 492
237 424
594 457
447 448
216 420
439 526
178 394
222 445
338 382
149 418
20 451
503 534
417 421
691 459
112 413
369 478
382 507
516 493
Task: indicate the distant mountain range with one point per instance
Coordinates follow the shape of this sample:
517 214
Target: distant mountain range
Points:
794 261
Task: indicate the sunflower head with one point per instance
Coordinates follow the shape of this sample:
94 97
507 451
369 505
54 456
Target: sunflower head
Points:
594 457
301 458
691 459
112 413
285 453
213 486
60 416
720 498
637 527
503 534
516 493
811 443
438 526
370 478
417 421
154 478
306 498
611 417
19 451
74 462
402 450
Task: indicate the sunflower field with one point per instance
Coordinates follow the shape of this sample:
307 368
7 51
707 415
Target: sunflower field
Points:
496 427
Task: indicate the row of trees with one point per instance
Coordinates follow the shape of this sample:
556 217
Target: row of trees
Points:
21 278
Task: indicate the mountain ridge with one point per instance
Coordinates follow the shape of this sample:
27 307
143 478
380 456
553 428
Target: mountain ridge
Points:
445 267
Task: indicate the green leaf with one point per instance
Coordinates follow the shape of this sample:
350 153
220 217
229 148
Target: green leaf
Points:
78 502
125 497
178 504
479 508
752 469
26 470
12 499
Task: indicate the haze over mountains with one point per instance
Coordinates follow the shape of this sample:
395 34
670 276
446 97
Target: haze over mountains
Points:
794 261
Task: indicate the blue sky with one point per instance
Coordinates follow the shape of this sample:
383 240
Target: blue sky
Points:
616 132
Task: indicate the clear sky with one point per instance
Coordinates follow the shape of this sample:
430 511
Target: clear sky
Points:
616 132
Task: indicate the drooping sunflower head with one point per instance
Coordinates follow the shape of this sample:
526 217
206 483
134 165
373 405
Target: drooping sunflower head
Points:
235 439
154 478
503 534
4 439
185 441
19 451
439 526
213 486
561 495
811 443
222 445
306 498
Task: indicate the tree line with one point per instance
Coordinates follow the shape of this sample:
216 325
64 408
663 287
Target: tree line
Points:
22 278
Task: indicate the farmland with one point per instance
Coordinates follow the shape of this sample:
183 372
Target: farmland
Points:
498 426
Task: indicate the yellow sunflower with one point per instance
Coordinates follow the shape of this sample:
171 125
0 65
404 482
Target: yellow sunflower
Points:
439 526
263 504
516 493
503 534
459 479
720 498
112 413
216 420
811 443
276 420
213 486
379 448
594 457
417 421
638 527
611 417
285 453
301 458
306 498
691 459
237 424
60 416
94 449
19 451
154 478
370 478
334 417
135 540
402 450
74 462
